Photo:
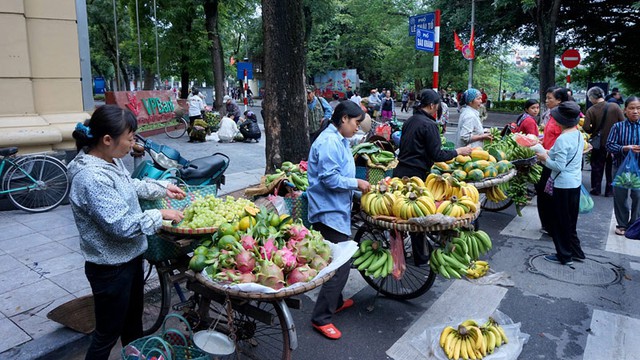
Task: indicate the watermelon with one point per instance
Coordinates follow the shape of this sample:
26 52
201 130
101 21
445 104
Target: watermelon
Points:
526 140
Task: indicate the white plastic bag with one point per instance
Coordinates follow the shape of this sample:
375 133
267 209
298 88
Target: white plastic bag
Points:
228 129
428 344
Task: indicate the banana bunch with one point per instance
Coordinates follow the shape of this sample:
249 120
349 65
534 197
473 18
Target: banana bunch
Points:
627 180
464 189
373 259
405 185
521 152
457 207
439 187
412 205
473 243
477 269
383 157
447 264
292 173
378 202
471 341
495 194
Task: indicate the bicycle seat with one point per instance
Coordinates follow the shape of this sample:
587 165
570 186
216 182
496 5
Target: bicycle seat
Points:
8 151
207 167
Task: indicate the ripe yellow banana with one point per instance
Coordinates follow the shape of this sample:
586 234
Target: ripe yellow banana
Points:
445 332
445 205
417 181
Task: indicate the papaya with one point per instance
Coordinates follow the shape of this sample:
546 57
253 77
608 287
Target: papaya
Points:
490 171
496 154
459 174
469 166
463 159
479 155
436 171
492 159
450 161
482 164
502 167
442 166
475 175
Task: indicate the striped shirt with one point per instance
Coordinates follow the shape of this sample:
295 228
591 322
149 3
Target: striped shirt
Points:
622 134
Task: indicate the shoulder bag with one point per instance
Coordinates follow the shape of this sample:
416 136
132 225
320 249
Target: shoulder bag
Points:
548 187
596 139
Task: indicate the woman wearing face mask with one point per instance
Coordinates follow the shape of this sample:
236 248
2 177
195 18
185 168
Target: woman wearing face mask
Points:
555 95
332 181
470 131
112 227
625 137
420 147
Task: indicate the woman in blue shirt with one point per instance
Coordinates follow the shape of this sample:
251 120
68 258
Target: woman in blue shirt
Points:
332 181
565 161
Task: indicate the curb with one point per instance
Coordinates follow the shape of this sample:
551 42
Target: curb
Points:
55 345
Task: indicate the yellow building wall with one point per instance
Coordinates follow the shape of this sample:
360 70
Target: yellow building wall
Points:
40 83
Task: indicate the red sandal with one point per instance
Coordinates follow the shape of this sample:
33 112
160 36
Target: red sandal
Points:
345 305
329 331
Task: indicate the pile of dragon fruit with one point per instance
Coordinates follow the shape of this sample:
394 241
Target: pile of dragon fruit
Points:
278 259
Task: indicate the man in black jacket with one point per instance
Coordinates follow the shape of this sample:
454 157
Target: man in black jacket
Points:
249 128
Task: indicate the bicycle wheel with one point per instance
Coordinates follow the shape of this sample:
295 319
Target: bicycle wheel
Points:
263 339
37 183
486 204
415 281
157 298
175 128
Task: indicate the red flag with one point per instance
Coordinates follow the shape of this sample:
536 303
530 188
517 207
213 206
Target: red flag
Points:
457 43
472 45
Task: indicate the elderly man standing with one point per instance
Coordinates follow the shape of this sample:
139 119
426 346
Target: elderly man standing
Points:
599 120
374 103
318 110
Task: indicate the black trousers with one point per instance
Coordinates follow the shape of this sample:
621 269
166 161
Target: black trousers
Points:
545 204
118 296
330 297
601 165
566 204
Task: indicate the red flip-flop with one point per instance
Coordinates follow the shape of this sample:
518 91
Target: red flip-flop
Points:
345 305
329 331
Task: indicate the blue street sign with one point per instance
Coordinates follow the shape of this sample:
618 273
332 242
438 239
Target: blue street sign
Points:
422 21
242 66
425 40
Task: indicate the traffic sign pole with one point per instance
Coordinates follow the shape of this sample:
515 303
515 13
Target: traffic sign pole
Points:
436 51
245 90
568 78
570 58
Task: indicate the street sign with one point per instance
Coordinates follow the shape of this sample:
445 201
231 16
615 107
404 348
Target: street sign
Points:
423 21
425 40
242 66
570 58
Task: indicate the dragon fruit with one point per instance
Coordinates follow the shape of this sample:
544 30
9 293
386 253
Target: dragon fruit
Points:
269 274
227 259
226 275
285 259
318 263
245 261
297 232
268 249
305 251
323 250
246 278
301 274
248 242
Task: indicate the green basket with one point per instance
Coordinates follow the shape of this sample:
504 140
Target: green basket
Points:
372 175
449 145
298 208
160 249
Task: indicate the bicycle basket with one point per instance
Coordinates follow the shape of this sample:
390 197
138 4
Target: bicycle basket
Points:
160 249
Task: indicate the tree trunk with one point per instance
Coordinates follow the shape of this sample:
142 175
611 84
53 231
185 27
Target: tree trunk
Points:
184 61
546 17
149 79
285 115
217 59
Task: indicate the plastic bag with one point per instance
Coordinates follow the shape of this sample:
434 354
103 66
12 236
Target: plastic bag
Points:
628 175
633 231
397 252
586 202
428 342
384 130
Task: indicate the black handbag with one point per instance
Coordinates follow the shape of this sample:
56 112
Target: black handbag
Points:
595 140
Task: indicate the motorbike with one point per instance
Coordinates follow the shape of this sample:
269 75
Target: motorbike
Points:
167 164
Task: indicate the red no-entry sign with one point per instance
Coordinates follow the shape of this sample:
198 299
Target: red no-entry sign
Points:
570 58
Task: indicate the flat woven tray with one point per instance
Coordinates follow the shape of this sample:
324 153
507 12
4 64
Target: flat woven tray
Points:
404 225
491 182
188 231
284 293
525 162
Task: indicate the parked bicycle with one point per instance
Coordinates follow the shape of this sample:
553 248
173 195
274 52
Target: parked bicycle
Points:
34 183
176 127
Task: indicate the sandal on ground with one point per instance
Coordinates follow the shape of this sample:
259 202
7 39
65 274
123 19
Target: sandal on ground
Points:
329 331
345 305
620 231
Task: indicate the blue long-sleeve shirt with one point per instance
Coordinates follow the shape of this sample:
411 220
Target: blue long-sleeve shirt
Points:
332 181
622 134
565 160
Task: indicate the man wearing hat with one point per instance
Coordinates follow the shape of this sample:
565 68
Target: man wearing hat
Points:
318 110
565 161
233 111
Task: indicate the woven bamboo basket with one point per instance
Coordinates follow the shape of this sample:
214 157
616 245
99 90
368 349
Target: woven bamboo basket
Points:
284 293
491 182
404 225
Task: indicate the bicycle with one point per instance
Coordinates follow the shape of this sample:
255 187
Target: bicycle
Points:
176 127
263 329
34 183
250 101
